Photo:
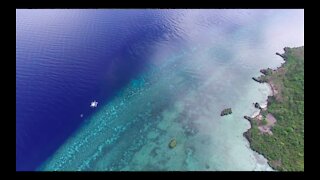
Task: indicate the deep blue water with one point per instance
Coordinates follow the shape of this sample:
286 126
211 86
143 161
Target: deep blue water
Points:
67 58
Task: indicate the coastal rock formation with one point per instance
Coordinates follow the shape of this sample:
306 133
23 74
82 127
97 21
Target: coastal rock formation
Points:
173 143
283 55
257 105
266 71
248 118
248 136
260 79
226 112
287 104
256 79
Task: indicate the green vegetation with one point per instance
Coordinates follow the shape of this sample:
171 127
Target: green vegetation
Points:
226 112
264 121
264 113
285 148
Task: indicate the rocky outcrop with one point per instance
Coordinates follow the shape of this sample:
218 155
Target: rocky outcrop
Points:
283 55
257 105
226 112
258 79
173 143
247 135
266 71
248 118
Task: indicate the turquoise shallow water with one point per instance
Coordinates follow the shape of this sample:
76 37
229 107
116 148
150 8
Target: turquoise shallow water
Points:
181 95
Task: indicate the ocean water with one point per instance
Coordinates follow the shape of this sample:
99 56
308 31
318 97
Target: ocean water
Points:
157 75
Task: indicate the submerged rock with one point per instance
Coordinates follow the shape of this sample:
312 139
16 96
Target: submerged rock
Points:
173 143
226 111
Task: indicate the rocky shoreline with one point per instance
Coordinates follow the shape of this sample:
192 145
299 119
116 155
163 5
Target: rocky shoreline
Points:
258 118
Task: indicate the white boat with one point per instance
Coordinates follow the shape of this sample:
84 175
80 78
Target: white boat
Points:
94 104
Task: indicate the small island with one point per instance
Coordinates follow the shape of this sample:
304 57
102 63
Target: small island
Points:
226 112
277 132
